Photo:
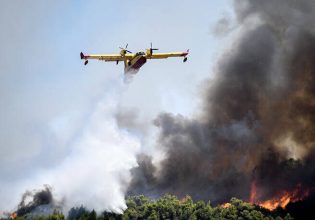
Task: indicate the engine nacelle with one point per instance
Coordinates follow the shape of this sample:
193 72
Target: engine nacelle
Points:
149 52
123 52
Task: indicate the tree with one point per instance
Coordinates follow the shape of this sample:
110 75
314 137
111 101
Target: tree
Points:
170 207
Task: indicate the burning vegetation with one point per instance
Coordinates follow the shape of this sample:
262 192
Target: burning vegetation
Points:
34 204
281 199
169 207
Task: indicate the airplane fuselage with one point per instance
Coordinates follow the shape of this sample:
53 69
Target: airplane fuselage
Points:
133 65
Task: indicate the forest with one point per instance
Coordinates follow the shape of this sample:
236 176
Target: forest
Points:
170 207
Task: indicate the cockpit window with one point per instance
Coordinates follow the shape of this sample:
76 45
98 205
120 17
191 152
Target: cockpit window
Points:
140 53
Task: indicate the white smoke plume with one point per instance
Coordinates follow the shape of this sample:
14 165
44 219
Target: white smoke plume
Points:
95 172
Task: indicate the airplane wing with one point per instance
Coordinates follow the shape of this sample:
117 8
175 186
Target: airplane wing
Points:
104 57
167 55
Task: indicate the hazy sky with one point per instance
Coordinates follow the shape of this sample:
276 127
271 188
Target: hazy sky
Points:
47 94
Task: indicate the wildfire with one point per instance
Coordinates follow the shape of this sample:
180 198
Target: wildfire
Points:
277 202
282 199
226 205
253 192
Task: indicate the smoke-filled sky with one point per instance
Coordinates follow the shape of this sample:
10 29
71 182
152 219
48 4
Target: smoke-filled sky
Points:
238 116
255 127
61 121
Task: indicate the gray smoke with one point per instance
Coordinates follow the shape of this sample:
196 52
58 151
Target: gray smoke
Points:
38 202
258 117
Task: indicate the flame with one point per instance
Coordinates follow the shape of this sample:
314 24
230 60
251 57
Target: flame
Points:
276 202
285 198
253 192
226 205
282 199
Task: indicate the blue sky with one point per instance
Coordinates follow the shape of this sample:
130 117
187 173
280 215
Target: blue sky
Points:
47 94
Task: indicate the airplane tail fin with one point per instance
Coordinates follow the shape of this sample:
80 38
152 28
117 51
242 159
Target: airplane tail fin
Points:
82 56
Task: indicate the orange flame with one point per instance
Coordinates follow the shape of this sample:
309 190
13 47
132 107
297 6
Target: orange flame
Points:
282 199
285 198
253 192
226 205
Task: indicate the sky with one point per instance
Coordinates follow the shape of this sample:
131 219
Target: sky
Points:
49 99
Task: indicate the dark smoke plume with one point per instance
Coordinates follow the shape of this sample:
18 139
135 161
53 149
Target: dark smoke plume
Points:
258 117
31 200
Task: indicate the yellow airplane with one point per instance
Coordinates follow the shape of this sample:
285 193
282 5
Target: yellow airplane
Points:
133 61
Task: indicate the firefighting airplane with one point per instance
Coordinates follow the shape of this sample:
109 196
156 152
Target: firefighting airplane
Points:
132 61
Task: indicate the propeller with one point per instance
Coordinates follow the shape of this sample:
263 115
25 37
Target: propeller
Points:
125 49
152 49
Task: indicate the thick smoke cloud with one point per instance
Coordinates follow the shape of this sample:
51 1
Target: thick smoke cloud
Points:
257 123
42 197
